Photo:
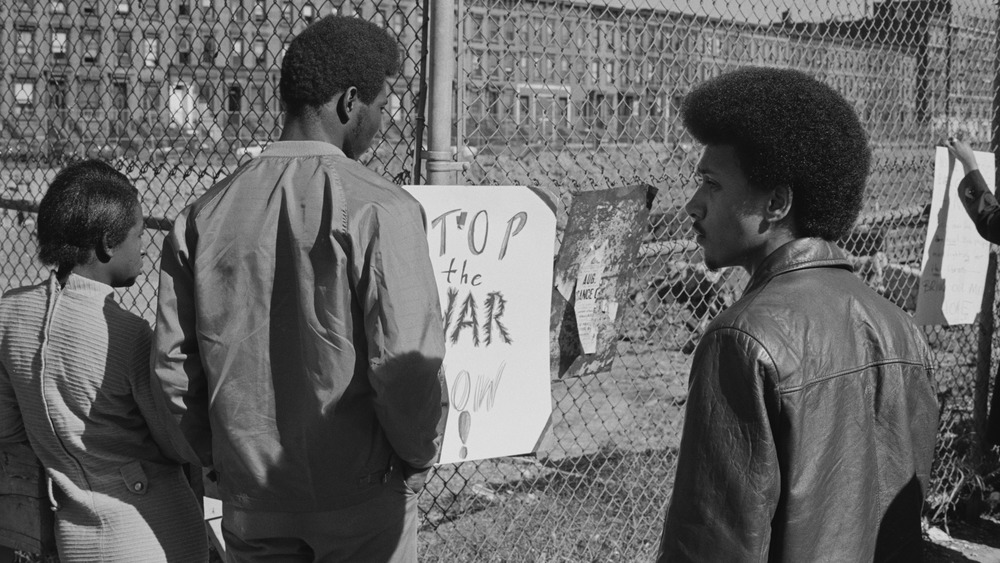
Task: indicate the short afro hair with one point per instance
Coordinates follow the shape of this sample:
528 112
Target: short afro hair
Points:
332 55
86 202
788 129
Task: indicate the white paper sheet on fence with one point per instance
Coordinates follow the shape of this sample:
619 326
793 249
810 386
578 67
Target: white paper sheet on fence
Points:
955 256
491 247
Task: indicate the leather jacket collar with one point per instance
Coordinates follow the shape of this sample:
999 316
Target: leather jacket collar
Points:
797 255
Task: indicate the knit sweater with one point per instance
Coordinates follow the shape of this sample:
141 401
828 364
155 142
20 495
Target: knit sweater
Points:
74 382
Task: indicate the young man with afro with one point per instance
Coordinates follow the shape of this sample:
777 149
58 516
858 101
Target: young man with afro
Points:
810 419
298 335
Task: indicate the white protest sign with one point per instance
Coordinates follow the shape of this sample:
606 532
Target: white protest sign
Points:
492 252
955 256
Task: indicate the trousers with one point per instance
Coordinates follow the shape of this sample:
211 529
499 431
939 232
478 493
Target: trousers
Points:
383 529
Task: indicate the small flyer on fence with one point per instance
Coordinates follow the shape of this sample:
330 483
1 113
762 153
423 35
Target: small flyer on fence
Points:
587 285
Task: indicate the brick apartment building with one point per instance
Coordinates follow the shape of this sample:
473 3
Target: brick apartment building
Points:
111 71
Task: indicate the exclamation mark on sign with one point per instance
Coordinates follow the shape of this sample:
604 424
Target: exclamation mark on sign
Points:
464 421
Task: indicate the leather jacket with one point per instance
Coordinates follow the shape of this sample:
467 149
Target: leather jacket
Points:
810 423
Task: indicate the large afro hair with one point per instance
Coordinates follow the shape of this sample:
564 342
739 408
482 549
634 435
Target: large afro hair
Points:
788 129
332 55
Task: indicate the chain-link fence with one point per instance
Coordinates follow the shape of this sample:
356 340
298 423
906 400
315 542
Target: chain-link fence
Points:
578 96
569 96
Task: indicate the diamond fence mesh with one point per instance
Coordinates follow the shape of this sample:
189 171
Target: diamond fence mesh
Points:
567 96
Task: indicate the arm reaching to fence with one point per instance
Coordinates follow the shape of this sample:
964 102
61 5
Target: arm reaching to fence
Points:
980 204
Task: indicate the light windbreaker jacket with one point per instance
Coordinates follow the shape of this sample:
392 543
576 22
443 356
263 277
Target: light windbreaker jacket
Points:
299 333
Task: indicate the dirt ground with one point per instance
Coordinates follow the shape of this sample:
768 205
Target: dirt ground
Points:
978 540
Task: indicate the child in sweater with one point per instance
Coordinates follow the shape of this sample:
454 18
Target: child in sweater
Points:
74 382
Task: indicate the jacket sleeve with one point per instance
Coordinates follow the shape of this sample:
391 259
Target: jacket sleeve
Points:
162 427
177 371
403 326
11 421
728 481
981 206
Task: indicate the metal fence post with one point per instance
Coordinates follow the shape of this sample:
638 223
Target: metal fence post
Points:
442 169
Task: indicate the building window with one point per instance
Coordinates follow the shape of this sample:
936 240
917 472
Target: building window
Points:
119 95
524 109
258 11
89 98
579 69
477 64
506 69
123 46
60 47
509 30
394 107
476 28
24 93
259 102
184 49
235 99
184 7
150 50
150 101
58 7
57 93
260 51
87 7
208 49
25 46
206 95
239 48
563 112
491 29
91 45
308 13
396 22
284 49
122 8
208 7
626 107
565 33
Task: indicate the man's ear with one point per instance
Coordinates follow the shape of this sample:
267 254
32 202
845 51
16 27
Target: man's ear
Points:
103 250
779 205
345 104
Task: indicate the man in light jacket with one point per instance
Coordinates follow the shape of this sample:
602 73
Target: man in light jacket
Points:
299 332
